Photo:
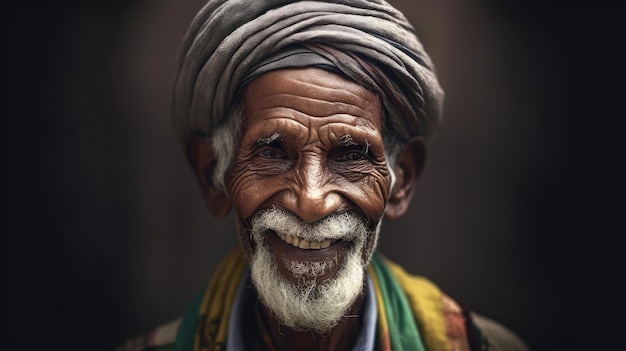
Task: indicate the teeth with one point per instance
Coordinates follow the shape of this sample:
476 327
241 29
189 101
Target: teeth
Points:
305 244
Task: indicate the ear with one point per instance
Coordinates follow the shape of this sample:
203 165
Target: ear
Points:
408 166
202 158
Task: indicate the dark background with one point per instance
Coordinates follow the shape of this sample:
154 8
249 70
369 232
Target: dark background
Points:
108 235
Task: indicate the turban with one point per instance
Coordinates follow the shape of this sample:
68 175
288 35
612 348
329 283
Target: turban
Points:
230 42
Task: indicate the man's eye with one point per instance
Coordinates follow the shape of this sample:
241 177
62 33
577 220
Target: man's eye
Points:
351 156
271 153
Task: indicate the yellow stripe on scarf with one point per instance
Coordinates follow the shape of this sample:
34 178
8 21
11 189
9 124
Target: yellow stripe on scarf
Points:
218 301
427 306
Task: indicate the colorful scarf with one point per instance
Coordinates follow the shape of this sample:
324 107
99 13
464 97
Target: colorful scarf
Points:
413 314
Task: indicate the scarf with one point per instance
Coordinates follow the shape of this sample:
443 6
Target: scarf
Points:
413 314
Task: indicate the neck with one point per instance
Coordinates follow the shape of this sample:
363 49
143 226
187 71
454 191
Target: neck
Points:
341 337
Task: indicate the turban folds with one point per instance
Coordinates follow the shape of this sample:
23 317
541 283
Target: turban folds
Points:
230 42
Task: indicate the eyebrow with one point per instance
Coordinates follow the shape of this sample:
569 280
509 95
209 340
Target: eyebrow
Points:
268 140
347 140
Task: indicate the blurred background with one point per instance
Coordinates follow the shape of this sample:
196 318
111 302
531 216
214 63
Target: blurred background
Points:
108 235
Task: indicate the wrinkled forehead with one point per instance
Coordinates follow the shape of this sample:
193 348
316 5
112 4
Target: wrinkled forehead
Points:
315 92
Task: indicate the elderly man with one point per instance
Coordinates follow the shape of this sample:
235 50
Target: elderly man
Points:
309 120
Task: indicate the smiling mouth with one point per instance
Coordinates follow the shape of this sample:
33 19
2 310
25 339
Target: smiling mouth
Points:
304 244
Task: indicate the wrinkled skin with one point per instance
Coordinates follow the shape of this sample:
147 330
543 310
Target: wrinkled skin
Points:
311 143
307 169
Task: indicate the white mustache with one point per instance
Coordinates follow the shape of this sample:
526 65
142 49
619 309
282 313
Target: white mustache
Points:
345 226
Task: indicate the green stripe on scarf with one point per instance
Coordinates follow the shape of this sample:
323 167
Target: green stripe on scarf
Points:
188 328
401 327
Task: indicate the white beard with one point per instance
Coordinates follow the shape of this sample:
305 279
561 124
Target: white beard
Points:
309 305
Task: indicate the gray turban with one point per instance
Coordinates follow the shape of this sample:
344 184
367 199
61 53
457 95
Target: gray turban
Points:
229 43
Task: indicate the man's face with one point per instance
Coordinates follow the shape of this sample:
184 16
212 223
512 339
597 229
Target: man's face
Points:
310 182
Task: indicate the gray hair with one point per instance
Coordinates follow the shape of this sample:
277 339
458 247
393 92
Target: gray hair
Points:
224 140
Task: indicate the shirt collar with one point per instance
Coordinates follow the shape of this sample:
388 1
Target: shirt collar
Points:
365 340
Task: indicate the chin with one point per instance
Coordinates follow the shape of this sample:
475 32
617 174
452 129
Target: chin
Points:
307 304
289 285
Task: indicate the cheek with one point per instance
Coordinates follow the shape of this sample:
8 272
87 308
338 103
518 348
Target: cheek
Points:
370 193
249 191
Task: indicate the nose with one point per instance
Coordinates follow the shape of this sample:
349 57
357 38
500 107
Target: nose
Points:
314 196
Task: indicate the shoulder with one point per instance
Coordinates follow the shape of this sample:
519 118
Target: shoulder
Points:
162 338
446 321
496 336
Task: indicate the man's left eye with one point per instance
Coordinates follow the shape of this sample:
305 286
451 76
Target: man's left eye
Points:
351 156
270 153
